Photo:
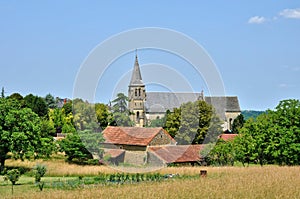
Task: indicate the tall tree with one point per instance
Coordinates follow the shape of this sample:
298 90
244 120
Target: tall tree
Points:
285 138
2 93
20 132
50 101
104 116
120 103
193 122
36 104
120 111
237 124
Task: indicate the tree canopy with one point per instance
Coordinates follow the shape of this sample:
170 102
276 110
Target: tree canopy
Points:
20 133
193 122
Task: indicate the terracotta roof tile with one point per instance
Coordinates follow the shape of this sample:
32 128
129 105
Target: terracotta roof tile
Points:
131 135
178 153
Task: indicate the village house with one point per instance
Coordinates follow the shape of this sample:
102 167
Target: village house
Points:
141 146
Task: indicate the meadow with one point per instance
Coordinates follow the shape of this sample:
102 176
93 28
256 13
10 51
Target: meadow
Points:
221 182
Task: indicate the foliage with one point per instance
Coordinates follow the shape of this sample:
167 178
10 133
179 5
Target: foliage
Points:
62 122
39 172
20 133
251 114
36 104
2 93
68 106
74 148
84 115
120 103
173 120
16 96
120 111
104 116
158 122
192 122
50 101
273 137
237 124
13 176
222 154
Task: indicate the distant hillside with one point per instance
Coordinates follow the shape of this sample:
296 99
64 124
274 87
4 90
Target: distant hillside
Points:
250 113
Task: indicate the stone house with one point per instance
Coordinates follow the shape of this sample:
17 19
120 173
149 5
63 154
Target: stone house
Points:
132 143
151 146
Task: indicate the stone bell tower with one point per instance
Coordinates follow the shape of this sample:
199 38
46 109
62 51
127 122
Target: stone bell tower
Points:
137 96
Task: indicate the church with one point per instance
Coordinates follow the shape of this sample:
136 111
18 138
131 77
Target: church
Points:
147 106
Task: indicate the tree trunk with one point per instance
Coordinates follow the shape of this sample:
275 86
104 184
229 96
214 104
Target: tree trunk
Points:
2 162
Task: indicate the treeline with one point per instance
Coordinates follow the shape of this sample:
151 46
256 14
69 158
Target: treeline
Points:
28 125
272 138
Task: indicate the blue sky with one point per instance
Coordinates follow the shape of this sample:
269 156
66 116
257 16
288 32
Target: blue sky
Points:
254 44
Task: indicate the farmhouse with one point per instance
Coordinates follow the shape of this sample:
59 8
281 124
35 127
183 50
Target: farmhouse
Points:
148 106
151 146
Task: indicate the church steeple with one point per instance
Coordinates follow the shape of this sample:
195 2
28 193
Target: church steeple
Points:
136 78
137 96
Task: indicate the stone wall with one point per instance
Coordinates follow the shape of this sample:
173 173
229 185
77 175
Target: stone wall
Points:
161 139
135 157
153 160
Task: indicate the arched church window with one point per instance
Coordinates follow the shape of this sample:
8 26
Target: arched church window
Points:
135 92
139 92
138 116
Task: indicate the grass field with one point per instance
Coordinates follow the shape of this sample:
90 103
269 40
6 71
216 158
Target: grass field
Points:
221 182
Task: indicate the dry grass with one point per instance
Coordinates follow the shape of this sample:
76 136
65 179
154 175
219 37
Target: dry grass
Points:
221 182
61 168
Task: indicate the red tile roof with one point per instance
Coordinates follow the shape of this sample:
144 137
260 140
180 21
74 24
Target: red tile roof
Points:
131 135
227 137
178 153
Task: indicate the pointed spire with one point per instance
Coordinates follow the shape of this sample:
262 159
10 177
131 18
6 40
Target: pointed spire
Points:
136 78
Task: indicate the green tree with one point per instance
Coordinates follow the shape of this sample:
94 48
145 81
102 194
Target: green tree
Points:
20 132
275 135
84 142
120 103
173 120
243 145
2 93
50 101
104 116
13 176
74 149
260 130
120 111
16 96
158 122
36 104
193 122
237 124
222 153
68 106
285 139
39 172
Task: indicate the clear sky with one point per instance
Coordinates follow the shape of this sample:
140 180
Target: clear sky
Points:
255 44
